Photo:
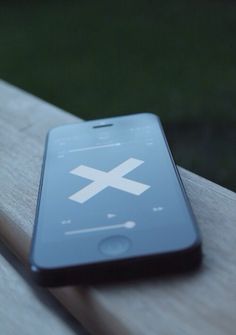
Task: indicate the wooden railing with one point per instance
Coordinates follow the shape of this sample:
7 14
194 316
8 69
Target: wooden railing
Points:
203 302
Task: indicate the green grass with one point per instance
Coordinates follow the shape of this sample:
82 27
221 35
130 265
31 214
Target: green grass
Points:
97 58
101 58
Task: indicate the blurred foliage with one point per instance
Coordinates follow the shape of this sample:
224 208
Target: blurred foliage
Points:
103 58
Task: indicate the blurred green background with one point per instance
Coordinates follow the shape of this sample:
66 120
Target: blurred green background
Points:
103 58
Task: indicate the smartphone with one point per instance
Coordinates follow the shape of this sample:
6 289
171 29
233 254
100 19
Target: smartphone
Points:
111 205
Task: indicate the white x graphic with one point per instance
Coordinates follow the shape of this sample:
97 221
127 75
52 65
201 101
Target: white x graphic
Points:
113 178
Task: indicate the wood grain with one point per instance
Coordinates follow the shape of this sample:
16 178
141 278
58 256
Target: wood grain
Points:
26 309
201 302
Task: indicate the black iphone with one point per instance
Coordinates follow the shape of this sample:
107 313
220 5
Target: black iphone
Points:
111 205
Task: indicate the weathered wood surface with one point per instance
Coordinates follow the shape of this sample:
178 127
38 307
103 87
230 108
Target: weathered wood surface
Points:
26 309
202 302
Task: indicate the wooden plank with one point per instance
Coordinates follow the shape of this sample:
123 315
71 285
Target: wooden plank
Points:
23 305
26 309
200 302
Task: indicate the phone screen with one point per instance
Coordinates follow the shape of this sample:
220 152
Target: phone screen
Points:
110 189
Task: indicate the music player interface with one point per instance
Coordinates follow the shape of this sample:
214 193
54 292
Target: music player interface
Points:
108 181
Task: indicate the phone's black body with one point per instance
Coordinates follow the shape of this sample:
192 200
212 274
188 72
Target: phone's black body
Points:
111 205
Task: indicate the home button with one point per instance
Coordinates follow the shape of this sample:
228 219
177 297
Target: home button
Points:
114 245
